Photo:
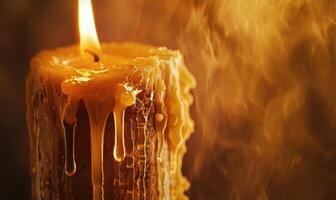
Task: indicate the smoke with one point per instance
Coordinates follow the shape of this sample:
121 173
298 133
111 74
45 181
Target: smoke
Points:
265 98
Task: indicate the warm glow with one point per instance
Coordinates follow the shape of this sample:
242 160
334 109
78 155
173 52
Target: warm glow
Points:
87 29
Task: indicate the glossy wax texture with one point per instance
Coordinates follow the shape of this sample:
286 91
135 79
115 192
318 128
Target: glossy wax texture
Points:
111 86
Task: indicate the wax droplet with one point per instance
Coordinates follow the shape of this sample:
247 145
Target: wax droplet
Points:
70 163
119 144
159 117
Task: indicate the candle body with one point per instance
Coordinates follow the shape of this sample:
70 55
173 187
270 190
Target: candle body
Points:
115 130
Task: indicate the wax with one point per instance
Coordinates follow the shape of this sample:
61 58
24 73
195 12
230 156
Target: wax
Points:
145 89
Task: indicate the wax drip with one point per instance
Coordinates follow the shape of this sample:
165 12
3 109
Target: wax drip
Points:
70 163
119 143
69 124
98 114
125 96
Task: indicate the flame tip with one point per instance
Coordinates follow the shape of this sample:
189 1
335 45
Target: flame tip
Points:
87 28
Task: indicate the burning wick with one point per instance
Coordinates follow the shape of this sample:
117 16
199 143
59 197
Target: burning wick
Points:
89 42
95 56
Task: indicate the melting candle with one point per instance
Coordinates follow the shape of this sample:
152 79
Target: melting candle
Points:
126 76
142 86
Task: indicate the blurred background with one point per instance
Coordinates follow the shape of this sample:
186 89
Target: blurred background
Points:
265 104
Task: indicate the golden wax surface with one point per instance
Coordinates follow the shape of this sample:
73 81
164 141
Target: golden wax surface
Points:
120 63
112 84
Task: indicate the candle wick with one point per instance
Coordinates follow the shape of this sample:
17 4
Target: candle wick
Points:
95 56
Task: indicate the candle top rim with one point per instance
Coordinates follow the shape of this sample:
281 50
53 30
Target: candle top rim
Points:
124 50
116 55
121 62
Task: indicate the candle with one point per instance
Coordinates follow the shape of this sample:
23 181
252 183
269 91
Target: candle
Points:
144 89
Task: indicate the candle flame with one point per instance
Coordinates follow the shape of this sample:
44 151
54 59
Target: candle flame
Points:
87 28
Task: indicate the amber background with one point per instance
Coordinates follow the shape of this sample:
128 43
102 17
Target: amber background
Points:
28 26
221 161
